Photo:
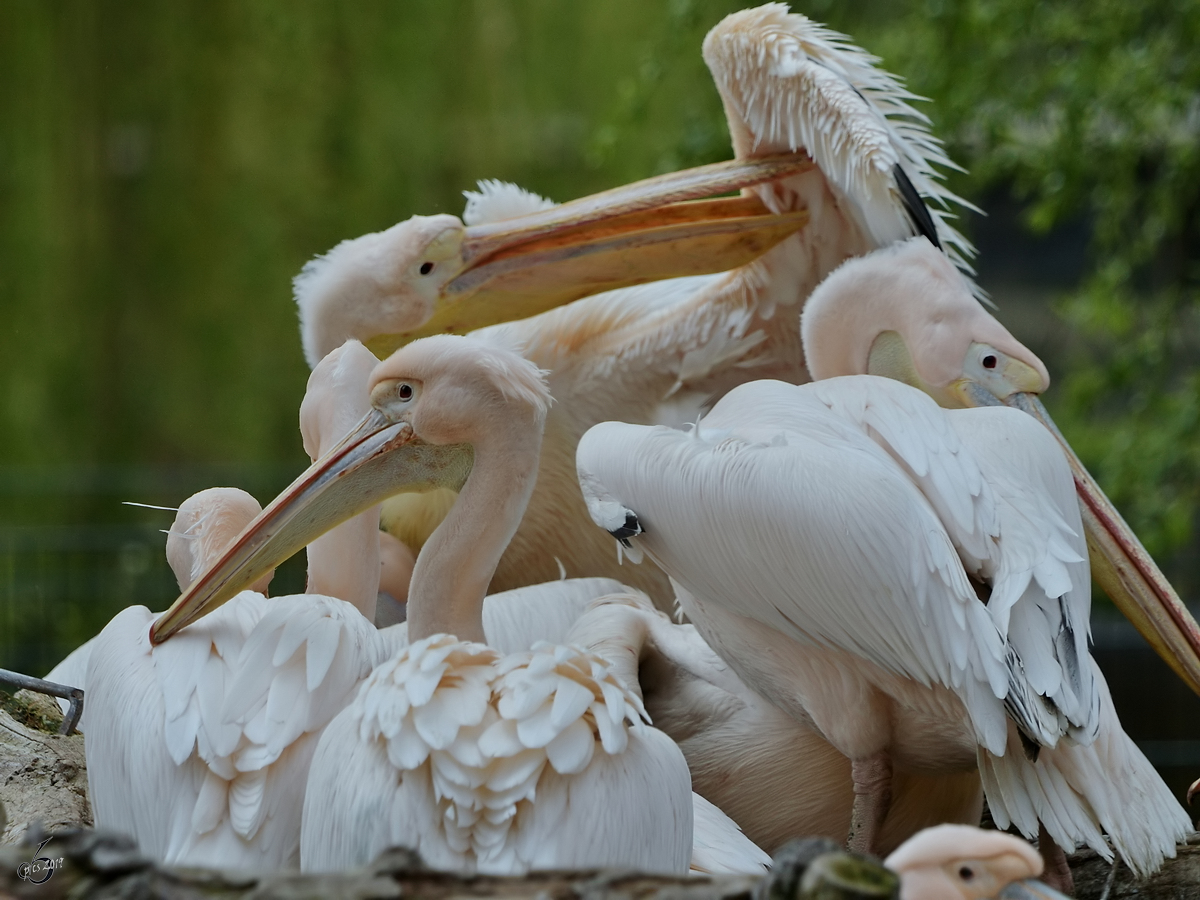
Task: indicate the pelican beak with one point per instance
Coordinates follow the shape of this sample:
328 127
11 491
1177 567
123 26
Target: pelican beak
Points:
641 232
376 459
1030 889
1123 568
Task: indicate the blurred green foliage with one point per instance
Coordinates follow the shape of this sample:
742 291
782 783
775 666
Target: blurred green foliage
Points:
166 168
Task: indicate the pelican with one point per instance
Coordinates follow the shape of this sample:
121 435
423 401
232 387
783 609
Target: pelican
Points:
911 581
659 352
956 862
200 749
480 761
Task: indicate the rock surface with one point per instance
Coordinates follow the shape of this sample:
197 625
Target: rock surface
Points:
85 863
43 776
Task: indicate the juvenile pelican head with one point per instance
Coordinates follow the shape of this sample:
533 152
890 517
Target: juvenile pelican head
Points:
958 862
435 405
434 275
904 312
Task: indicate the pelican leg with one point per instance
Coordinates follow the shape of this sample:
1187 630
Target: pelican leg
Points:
1057 873
872 797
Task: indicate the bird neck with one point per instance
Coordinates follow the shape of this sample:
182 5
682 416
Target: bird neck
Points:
452 573
344 563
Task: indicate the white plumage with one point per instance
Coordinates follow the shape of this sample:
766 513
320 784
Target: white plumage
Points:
496 201
822 537
497 764
775 783
196 747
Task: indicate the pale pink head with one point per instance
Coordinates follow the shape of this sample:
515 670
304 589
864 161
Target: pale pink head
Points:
204 526
959 862
907 313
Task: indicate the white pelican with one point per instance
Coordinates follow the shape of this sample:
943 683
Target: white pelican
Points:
479 761
905 313
956 862
824 539
660 351
199 749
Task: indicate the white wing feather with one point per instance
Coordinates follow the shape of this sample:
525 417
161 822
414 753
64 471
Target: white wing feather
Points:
790 83
1006 498
496 765
761 492
719 847
205 737
515 620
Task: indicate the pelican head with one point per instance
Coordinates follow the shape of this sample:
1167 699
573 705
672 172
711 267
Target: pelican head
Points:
905 312
204 525
434 275
432 403
959 862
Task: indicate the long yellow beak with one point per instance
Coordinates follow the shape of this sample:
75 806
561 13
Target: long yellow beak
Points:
641 232
1121 565
376 459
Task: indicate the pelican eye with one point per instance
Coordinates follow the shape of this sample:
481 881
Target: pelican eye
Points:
426 267
989 361
966 873
405 391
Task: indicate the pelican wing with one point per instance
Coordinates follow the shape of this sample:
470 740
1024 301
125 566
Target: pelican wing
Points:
1005 495
206 737
496 765
613 791
516 620
399 765
793 514
153 714
790 83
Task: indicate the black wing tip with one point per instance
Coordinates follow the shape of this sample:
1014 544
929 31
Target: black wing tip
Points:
914 205
631 528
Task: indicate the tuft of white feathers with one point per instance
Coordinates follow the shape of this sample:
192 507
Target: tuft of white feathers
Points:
496 201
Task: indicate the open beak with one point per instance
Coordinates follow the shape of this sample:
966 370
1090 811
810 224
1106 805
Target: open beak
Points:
641 232
1121 565
1030 889
376 459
